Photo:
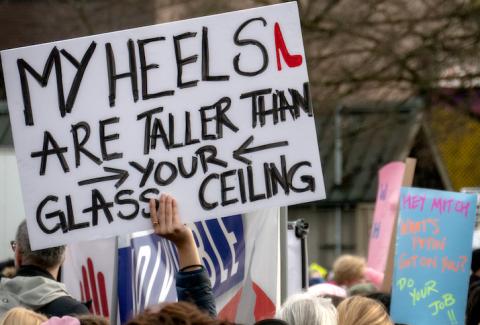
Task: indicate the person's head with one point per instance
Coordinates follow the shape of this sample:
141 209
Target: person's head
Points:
91 319
19 315
49 258
381 297
175 313
349 270
305 308
271 321
359 310
323 289
336 300
361 289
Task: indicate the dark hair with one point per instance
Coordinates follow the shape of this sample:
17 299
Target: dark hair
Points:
475 260
175 313
45 258
381 297
473 307
271 321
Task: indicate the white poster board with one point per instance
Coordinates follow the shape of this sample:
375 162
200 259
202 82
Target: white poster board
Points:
214 110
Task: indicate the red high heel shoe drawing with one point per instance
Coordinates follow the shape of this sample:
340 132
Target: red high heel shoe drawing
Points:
292 60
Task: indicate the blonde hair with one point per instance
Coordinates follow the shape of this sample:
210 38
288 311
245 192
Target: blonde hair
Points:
305 309
359 310
19 315
348 270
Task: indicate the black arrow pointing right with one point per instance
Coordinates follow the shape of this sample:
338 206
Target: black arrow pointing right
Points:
118 174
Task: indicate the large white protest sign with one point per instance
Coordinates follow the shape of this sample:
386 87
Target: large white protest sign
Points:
214 110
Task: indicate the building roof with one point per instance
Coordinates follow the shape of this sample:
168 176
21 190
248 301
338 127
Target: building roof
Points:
371 136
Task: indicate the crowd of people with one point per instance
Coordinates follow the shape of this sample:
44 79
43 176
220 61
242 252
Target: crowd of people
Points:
31 294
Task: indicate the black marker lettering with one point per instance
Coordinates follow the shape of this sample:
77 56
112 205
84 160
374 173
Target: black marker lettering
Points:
241 185
144 67
304 102
183 171
171 132
71 217
45 152
53 60
221 107
62 224
212 158
204 119
225 189
123 201
158 131
148 126
284 106
146 172
78 146
105 138
145 199
245 42
278 177
99 203
188 131
23 67
77 80
268 182
183 61
113 76
254 95
158 173
251 188
206 60
222 118
201 193
309 180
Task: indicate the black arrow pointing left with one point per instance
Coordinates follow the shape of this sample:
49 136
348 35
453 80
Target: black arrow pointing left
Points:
245 148
118 174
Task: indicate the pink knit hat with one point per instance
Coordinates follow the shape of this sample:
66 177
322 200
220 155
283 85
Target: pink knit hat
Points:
65 320
373 276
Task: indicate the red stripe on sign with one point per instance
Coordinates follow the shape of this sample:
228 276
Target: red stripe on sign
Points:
264 307
93 285
103 294
85 285
229 312
82 294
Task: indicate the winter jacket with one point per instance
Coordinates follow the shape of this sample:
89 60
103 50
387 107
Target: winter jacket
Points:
194 287
36 289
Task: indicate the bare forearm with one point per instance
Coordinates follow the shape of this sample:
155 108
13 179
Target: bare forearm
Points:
188 252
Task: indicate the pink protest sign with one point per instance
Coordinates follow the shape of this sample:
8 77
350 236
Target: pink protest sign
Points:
389 183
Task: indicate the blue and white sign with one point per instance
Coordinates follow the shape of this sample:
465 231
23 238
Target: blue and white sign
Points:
432 257
147 267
